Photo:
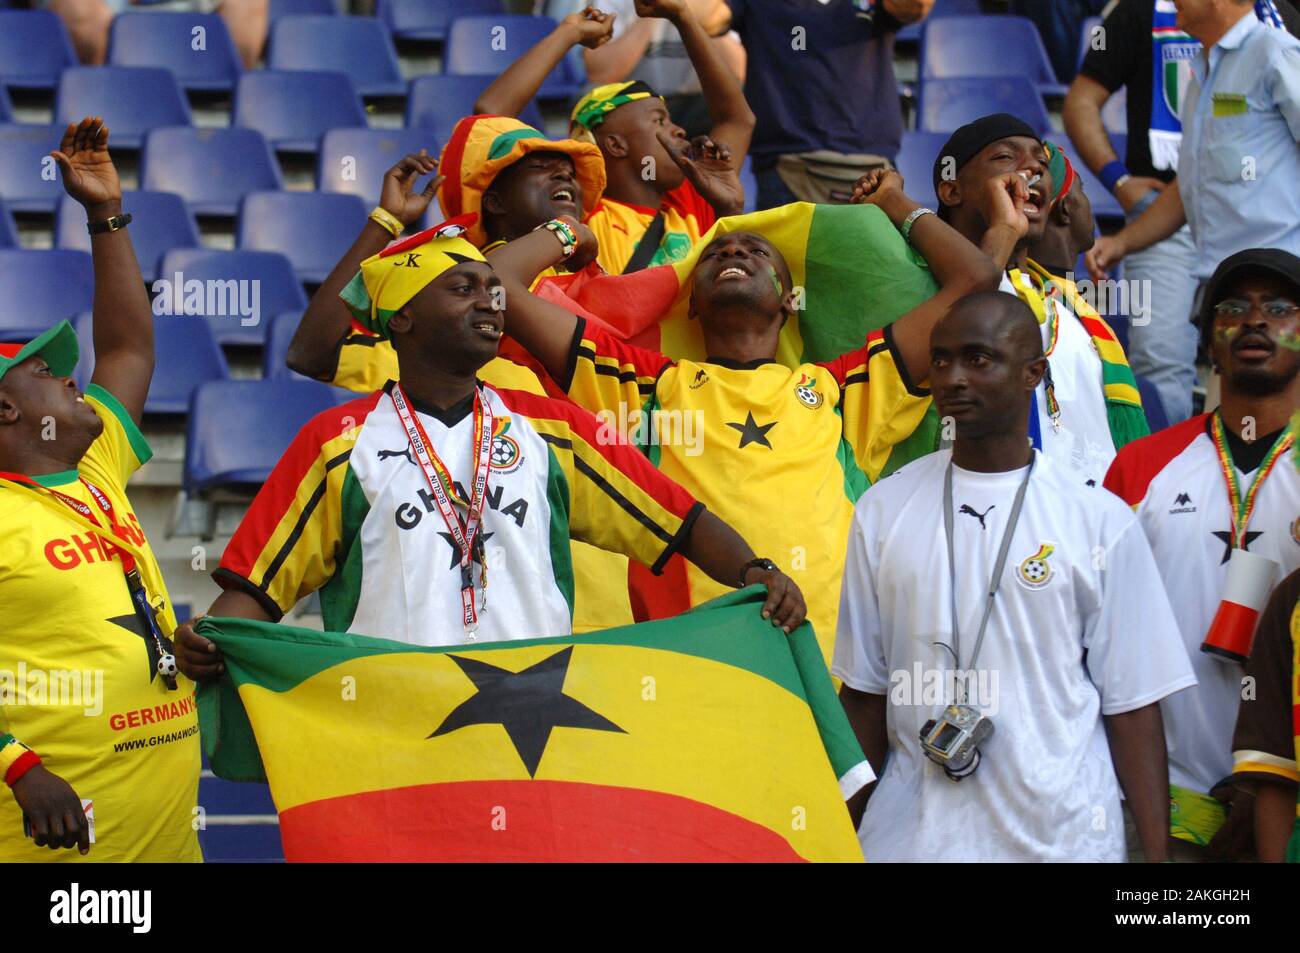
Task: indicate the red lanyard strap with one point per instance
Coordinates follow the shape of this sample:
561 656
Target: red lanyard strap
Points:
1242 507
465 533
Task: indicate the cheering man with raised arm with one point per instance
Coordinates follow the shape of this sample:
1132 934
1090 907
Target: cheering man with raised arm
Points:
990 594
438 510
99 740
664 191
785 451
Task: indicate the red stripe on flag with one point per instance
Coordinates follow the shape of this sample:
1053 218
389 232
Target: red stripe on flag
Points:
1097 328
522 821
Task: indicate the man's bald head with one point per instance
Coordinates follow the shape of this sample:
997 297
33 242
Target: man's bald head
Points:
995 317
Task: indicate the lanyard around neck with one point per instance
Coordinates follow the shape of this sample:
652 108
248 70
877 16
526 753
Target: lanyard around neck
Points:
464 533
1000 564
1242 507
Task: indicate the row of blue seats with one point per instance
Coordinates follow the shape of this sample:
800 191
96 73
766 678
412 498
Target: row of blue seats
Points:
35 50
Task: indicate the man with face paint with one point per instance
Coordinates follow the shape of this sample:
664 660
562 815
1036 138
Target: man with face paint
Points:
407 507
1071 229
784 451
1204 489
1088 404
976 570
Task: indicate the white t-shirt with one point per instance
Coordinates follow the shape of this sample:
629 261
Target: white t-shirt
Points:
1084 442
1173 481
1080 628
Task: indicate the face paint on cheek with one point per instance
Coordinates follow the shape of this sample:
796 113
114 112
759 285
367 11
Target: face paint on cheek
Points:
1289 340
1225 335
776 281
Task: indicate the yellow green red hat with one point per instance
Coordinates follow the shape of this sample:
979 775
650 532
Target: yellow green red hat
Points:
388 280
600 102
481 146
58 346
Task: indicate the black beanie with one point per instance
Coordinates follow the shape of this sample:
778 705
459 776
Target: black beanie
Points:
966 143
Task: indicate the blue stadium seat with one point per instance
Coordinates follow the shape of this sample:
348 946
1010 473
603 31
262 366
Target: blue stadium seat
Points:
426 20
132 100
28 182
1157 416
293 109
947 104
185 356
980 46
8 230
160 223
34 49
219 455
278 337
299 8
472 50
373 152
358 46
915 163
167 40
438 102
211 168
6 108
314 229
38 289
269 277
911 33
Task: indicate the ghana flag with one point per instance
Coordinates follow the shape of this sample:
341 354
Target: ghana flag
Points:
856 271
707 737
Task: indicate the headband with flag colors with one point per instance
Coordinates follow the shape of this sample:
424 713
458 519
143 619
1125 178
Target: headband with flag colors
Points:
600 102
387 281
58 346
481 146
1061 169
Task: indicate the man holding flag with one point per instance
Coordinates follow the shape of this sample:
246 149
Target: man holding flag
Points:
401 506
786 449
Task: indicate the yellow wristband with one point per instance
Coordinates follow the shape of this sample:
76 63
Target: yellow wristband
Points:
387 221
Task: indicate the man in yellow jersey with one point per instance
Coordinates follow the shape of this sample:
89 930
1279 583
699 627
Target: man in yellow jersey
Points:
785 452
99 738
514 179
664 191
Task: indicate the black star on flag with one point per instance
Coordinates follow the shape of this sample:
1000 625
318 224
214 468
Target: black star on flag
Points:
132 624
527 704
1225 537
455 550
753 432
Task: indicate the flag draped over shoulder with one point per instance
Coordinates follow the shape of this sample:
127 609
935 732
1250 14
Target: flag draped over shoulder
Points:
856 271
707 737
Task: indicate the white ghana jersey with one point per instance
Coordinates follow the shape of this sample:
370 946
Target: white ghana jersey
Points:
1084 442
348 511
1080 629
1173 482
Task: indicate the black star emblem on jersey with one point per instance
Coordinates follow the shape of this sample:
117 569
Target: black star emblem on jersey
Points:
455 550
1225 537
132 624
753 432
527 704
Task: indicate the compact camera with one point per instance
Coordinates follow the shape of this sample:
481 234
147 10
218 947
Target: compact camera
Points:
952 741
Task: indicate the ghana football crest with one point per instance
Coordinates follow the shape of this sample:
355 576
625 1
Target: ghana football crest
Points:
806 391
506 457
1035 572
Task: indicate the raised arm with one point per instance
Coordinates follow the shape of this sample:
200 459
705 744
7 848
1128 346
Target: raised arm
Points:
960 267
314 348
123 320
518 84
733 120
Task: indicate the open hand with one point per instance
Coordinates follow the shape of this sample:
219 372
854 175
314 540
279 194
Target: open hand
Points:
707 164
89 175
398 196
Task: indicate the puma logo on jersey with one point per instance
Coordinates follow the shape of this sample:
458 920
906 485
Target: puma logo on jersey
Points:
1182 504
386 454
966 508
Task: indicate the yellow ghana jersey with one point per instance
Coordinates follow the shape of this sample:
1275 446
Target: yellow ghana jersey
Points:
780 454
78 679
619 226
347 512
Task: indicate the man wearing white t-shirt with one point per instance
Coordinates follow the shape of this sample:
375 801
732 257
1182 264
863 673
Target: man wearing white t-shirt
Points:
1078 646
1181 483
1087 405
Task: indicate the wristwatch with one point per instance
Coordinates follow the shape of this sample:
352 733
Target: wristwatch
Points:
757 563
109 224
